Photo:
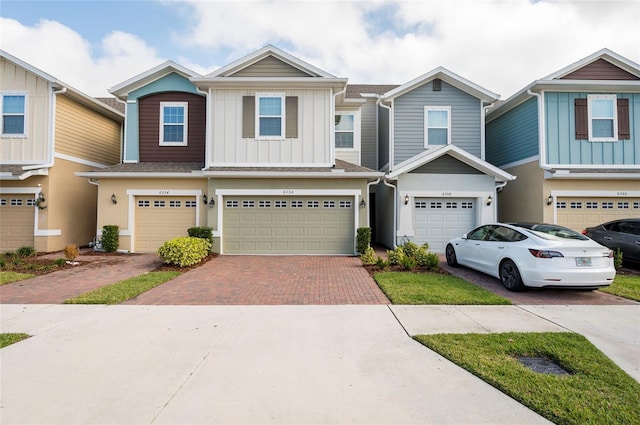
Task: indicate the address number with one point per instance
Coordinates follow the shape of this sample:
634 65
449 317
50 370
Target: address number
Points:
622 193
287 192
163 192
446 193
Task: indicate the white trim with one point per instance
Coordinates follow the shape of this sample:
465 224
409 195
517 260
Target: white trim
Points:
79 160
606 54
123 89
54 232
283 108
593 167
184 124
357 134
288 192
592 176
595 193
614 118
272 165
25 94
36 222
520 162
429 108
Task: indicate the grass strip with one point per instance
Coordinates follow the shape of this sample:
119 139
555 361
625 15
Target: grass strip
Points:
11 338
8 277
626 286
434 288
597 391
124 290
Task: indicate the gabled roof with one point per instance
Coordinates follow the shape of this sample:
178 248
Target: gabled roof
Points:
121 90
269 50
562 80
447 76
73 93
457 153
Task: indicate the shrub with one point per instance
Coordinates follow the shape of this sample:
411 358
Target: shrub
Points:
381 263
71 251
409 263
26 251
368 257
59 262
410 249
110 238
410 255
617 259
427 259
3 262
202 232
395 256
363 240
184 251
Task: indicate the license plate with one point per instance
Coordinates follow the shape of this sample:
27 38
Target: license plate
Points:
583 262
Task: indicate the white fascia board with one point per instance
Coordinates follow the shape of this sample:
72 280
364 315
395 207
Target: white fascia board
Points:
627 86
290 175
593 176
121 90
606 54
138 175
561 167
28 67
248 82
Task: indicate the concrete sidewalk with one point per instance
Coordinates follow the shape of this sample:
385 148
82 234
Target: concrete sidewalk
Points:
235 364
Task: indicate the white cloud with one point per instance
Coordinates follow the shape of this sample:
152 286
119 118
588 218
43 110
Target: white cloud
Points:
65 54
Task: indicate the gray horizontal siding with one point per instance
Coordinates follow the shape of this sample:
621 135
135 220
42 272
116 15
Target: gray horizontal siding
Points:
513 136
409 119
383 137
446 165
369 135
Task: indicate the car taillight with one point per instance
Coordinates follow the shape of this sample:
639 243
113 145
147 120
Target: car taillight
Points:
545 254
610 254
584 232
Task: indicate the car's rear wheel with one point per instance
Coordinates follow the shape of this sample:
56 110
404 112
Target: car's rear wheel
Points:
450 253
510 276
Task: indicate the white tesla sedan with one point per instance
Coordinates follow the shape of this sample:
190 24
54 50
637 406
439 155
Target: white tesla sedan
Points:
536 255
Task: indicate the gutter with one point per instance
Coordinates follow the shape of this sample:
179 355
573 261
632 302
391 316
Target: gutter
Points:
368 191
395 212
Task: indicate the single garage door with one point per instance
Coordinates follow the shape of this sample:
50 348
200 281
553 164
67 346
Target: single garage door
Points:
288 225
436 220
159 219
579 213
17 215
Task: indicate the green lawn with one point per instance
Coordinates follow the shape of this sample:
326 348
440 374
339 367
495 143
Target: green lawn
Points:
627 286
597 391
11 338
124 290
433 288
8 277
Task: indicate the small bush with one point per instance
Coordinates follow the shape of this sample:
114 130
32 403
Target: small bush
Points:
409 263
363 240
427 259
381 263
110 238
410 249
3 262
184 251
71 251
410 255
26 251
368 258
202 232
59 262
617 259
395 256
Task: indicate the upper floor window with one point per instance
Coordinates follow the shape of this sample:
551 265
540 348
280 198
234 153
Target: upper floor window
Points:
603 122
14 111
346 130
173 123
270 115
437 125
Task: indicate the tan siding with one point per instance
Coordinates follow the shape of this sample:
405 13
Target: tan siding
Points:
33 147
270 67
349 156
84 133
524 198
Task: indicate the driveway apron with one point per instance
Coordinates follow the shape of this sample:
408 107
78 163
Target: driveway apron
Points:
269 280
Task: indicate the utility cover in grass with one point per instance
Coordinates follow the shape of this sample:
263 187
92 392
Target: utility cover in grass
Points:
542 365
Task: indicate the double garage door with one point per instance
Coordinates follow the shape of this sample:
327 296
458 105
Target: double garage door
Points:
288 225
578 213
436 220
17 215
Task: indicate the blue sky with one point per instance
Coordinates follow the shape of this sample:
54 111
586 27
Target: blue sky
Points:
500 45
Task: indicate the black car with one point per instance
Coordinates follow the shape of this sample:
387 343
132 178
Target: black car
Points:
623 234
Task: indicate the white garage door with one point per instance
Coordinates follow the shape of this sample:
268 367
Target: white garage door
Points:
579 213
436 220
159 219
289 225
17 215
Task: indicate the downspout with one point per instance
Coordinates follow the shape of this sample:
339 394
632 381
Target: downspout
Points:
389 141
368 192
395 212
52 132
332 148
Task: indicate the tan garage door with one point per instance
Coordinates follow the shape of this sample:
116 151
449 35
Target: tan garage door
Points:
580 213
159 219
436 220
17 215
283 225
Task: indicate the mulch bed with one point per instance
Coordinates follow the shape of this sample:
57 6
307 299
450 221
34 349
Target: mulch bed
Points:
172 267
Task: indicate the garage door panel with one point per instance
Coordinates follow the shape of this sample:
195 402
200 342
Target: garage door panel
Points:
17 218
159 219
579 213
438 220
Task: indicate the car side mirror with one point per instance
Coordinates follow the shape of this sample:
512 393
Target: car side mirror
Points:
464 236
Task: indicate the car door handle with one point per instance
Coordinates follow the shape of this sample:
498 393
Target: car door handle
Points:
500 247
637 242
607 238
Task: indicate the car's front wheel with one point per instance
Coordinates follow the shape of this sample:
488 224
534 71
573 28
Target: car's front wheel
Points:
450 253
510 276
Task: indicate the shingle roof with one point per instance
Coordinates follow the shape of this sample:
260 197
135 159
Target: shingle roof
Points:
111 101
154 167
340 165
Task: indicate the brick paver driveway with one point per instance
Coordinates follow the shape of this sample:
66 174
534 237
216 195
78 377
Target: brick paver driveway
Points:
245 280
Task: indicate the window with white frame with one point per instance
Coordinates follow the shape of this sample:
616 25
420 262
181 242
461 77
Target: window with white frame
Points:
173 123
603 117
14 113
346 130
270 115
437 125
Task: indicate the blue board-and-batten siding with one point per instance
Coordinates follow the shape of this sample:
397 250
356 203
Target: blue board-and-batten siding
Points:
513 136
562 146
408 119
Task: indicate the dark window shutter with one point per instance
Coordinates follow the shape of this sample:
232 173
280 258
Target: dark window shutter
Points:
291 104
248 116
582 119
623 119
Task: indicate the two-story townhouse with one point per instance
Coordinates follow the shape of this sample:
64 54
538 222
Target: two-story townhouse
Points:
431 147
49 131
265 150
573 140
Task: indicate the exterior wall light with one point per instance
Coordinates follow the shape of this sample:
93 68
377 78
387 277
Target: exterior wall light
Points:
549 200
489 200
363 204
212 202
406 199
204 199
114 200
41 197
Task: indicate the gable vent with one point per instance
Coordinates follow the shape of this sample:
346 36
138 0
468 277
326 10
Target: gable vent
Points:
437 84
